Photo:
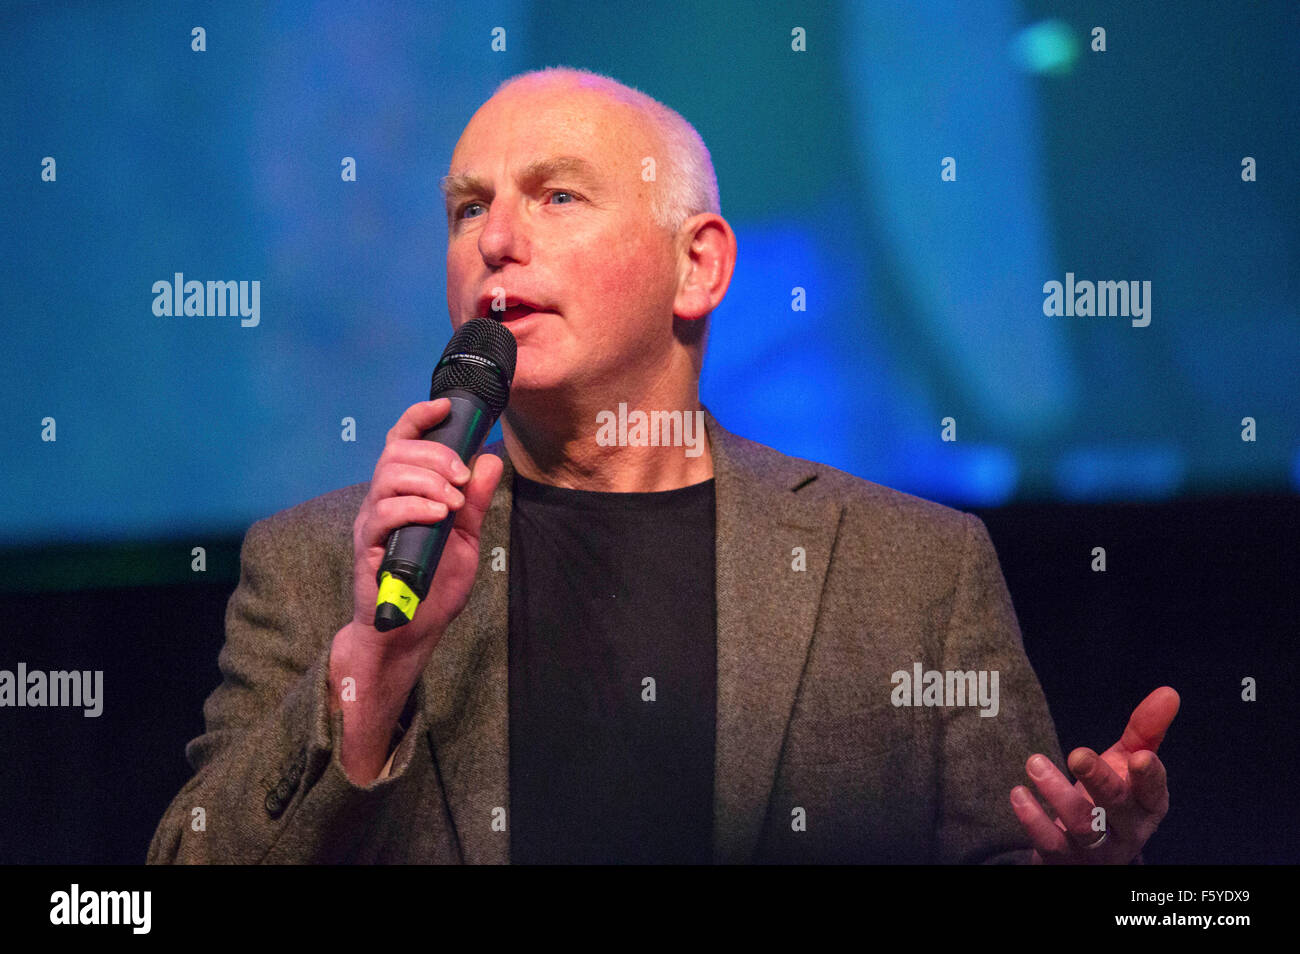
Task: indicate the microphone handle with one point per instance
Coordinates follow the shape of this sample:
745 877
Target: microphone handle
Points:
414 550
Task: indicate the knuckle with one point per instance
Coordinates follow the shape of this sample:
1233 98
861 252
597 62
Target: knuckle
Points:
451 462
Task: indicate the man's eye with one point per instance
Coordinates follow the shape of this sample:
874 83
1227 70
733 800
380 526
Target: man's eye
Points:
560 192
466 207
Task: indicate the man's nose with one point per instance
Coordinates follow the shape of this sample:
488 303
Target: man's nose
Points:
503 237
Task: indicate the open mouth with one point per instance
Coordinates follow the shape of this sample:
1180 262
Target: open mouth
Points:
513 313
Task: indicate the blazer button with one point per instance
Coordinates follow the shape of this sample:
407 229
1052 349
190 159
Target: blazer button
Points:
274 806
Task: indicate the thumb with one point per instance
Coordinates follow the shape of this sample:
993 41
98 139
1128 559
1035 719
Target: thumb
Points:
1147 726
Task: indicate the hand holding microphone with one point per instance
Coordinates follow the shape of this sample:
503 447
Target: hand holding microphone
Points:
416 540
421 483
413 502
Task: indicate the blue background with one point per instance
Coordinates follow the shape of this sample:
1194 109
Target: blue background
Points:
924 297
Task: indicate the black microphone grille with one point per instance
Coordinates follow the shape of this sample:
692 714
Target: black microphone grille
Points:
479 358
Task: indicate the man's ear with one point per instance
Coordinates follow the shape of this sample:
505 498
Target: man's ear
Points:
705 260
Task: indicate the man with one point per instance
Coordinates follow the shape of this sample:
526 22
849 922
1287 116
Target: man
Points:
629 653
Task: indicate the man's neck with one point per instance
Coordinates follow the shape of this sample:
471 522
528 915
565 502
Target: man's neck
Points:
585 447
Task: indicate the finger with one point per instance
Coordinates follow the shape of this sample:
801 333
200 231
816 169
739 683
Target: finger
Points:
408 480
392 512
1071 807
430 455
1150 783
1150 720
1048 839
487 472
417 419
1104 785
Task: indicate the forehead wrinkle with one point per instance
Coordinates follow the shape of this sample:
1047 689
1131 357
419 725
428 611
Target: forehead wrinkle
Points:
537 170
540 169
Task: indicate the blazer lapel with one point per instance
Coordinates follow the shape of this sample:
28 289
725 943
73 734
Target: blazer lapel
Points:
766 611
466 699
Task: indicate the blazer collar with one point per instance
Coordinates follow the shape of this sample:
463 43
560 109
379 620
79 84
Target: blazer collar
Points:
766 611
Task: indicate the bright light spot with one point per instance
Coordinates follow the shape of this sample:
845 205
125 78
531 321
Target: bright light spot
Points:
1048 47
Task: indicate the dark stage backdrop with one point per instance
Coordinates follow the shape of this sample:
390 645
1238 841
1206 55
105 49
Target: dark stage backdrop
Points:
1198 594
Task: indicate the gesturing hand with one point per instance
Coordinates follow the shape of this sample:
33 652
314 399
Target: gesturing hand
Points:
1127 780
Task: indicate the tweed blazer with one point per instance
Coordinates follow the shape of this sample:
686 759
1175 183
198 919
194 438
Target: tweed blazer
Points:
827 586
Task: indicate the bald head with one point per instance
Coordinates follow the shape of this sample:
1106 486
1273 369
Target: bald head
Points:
685 182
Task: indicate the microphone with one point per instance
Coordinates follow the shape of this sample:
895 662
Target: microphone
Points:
474 372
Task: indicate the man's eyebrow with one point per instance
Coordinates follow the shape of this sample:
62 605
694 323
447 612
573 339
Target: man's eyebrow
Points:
461 184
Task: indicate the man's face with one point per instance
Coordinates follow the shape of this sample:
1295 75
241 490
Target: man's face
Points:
546 201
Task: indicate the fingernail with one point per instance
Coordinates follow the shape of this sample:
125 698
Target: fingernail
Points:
1038 766
1019 797
462 472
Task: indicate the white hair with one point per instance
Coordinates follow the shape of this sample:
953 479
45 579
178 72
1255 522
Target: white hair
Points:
686 182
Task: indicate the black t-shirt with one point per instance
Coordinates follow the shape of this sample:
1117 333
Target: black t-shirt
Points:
609 591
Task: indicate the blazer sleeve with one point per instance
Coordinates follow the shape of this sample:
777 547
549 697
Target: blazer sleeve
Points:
268 786
984 756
